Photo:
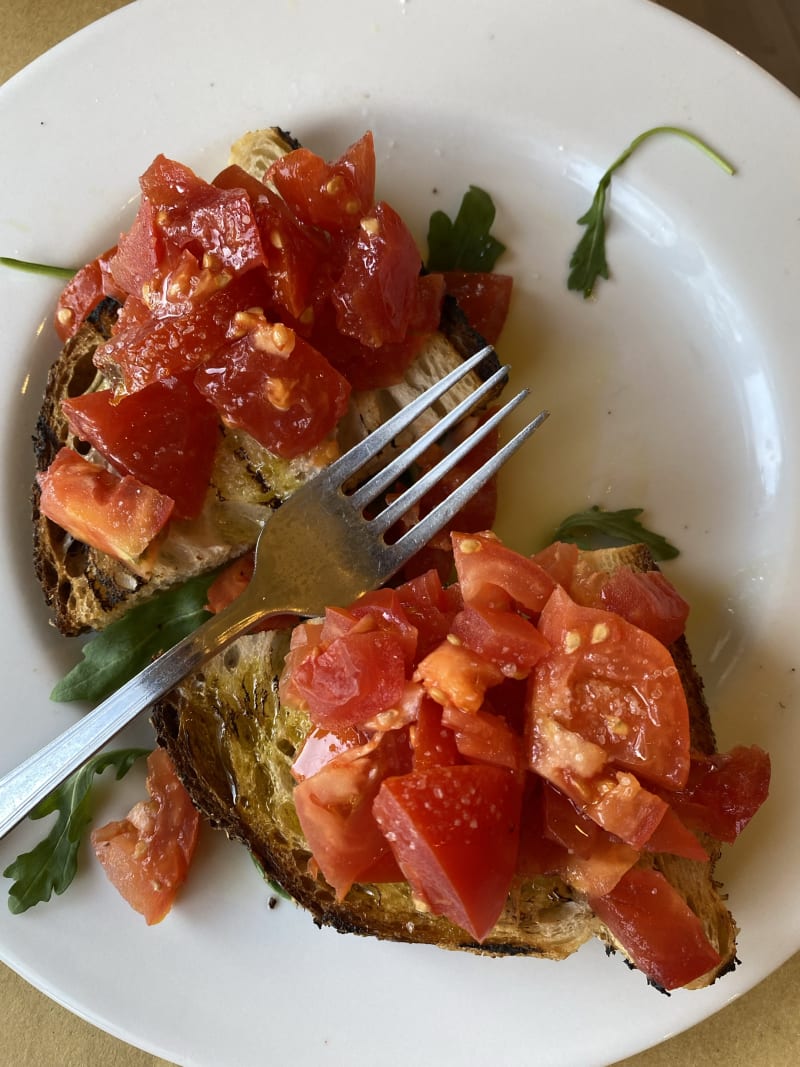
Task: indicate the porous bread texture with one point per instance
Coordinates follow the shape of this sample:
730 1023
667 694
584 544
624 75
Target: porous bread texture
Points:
233 744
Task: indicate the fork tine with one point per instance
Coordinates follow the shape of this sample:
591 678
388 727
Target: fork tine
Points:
391 472
350 462
419 535
392 512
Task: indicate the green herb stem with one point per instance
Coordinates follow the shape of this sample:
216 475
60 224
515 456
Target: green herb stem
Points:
38 268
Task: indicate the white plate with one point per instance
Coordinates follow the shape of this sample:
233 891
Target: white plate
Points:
674 390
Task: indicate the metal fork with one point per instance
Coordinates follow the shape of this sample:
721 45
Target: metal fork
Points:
317 549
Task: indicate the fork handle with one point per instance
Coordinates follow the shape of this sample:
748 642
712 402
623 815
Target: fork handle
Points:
23 788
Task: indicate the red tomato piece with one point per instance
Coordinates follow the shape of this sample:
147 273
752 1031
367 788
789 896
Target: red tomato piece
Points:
375 294
484 737
147 855
430 608
434 745
144 350
455 834
165 435
673 837
82 294
504 637
231 583
120 516
273 384
482 559
559 560
483 297
353 679
648 600
385 607
724 791
322 746
332 195
295 254
657 929
453 674
140 252
614 685
566 824
335 805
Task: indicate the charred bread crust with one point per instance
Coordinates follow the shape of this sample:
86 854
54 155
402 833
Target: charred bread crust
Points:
233 745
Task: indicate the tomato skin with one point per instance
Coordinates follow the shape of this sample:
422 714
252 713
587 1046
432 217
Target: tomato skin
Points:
354 678
165 435
504 637
616 686
385 608
724 791
147 855
481 559
657 929
119 516
332 195
673 837
335 805
430 608
375 293
81 295
433 743
559 560
483 297
273 384
648 600
322 746
455 834
139 254
484 737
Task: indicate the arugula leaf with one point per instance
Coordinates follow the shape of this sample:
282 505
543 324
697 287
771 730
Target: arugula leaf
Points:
51 865
38 268
595 528
464 243
126 646
588 261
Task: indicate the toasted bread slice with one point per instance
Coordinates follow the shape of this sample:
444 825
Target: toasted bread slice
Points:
233 745
87 589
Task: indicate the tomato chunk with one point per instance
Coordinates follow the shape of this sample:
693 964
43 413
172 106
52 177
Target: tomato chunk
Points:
81 295
648 600
614 685
657 929
433 743
332 195
482 559
451 673
273 384
504 637
356 677
482 736
147 855
165 435
455 834
483 297
334 807
120 516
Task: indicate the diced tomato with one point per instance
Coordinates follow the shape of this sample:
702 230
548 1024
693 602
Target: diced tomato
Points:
485 737
430 608
484 298
482 559
657 929
452 673
600 872
148 350
295 255
504 637
119 516
147 855
455 834
538 854
385 607
354 678
140 253
375 293
335 805
321 746
332 195
614 685
273 384
81 295
434 745
559 560
566 824
673 837
619 804
648 600
165 435
724 791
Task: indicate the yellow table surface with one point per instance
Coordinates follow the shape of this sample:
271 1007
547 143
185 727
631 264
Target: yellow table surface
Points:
762 1027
